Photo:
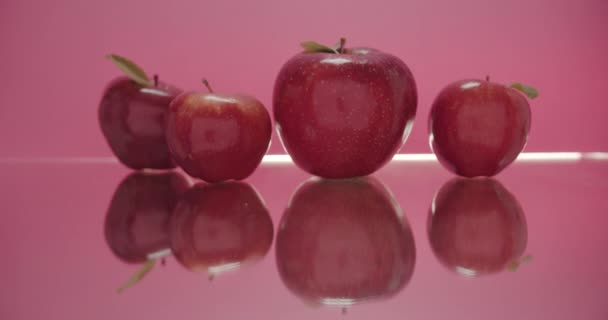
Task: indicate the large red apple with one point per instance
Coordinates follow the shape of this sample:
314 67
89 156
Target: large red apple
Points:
218 137
136 223
477 128
220 227
476 226
341 242
343 112
132 116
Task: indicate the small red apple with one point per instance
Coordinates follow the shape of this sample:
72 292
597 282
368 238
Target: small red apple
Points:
220 227
136 223
218 137
476 226
132 116
341 242
477 128
344 112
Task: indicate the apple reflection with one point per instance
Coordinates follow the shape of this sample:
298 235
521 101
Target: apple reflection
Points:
476 227
136 223
220 227
341 242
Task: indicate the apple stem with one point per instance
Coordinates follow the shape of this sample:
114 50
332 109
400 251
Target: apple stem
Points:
344 310
155 80
488 78
138 276
163 261
211 277
206 83
342 43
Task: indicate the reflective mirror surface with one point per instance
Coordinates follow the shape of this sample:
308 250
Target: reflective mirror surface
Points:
409 242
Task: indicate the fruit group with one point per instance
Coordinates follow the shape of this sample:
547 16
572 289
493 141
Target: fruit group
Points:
220 227
218 137
132 118
476 226
341 242
477 127
136 223
343 112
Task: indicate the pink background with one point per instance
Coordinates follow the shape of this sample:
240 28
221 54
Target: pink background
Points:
53 70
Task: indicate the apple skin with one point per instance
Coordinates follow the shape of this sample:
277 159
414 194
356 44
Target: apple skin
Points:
137 220
132 119
344 115
476 226
477 127
218 137
341 242
220 227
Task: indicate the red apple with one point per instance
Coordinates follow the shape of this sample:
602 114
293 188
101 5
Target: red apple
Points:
132 116
476 226
343 112
218 137
341 242
136 223
220 227
477 128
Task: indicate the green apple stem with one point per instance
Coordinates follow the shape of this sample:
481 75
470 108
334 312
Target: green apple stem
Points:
155 80
138 275
529 91
206 83
314 47
341 46
517 263
130 69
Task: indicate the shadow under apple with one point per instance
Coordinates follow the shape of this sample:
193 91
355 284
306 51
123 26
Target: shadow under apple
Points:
136 223
220 227
342 242
477 227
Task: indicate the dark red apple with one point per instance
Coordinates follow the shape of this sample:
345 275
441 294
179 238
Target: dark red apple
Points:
477 128
218 137
136 223
132 116
220 227
341 242
476 226
343 112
